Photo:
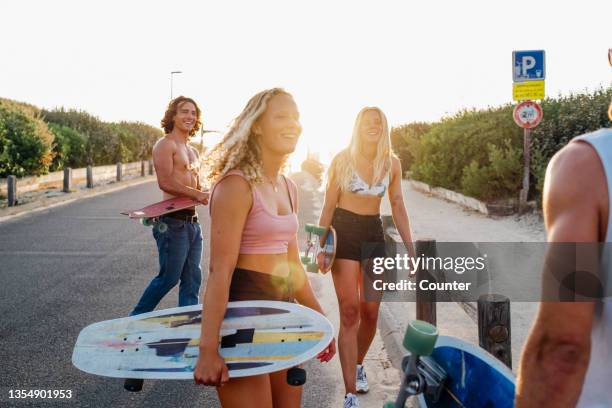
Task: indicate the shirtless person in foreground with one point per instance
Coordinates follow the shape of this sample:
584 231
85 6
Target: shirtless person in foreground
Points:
180 246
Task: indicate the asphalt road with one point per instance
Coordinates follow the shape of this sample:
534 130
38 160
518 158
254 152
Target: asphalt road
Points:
69 266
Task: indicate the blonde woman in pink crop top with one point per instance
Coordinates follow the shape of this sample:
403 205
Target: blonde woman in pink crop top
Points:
253 241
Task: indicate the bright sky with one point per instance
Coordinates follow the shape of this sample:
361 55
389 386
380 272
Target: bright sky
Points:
418 61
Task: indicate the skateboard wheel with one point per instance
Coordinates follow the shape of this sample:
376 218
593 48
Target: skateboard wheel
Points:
296 376
305 259
133 384
320 231
162 227
389 404
312 267
308 227
146 222
420 337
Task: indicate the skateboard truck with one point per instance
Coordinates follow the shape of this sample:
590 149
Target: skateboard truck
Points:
421 374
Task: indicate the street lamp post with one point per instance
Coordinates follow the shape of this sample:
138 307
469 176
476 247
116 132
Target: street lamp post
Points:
171 76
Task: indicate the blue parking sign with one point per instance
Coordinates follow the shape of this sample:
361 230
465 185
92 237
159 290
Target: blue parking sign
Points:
528 66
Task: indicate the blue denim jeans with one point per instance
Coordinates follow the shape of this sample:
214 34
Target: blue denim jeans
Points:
180 252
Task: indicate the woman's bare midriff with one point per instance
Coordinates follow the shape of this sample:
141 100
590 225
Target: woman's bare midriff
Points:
273 264
360 204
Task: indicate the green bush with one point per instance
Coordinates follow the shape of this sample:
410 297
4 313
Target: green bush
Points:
565 118
107 143
501 177
463 152
479 152
405 141
25 140
68 148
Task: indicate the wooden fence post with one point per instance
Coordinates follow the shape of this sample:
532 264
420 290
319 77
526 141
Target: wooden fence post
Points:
67 179
150 167
11 186
119 171
494 326
90 183
425 300
142 168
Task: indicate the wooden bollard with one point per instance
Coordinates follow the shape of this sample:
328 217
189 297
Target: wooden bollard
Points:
67 179
119 171
494 326
150 167
89 177
425 300
142 168
11 186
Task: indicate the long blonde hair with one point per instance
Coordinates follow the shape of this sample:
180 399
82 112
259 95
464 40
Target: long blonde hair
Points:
239 149
344 164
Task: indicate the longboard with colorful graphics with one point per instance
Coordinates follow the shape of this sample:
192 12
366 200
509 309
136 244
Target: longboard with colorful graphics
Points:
256 337
150 214
319 257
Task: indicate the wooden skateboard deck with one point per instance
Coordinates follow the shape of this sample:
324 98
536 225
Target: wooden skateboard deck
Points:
162 208
256 337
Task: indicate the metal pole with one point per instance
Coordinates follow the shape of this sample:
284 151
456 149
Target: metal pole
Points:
526 163
171 82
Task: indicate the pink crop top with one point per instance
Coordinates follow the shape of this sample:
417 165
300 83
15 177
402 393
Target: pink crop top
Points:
266 233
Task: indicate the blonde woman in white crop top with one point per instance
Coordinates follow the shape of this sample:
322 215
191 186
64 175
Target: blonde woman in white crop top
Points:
358 179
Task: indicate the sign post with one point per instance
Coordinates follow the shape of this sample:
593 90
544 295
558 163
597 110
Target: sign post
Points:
528 75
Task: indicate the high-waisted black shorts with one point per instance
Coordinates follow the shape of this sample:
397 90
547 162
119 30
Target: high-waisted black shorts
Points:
360 237
253 285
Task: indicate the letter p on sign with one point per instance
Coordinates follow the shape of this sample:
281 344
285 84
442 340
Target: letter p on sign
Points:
527 63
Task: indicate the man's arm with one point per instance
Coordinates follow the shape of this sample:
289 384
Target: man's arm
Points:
556 355
163 161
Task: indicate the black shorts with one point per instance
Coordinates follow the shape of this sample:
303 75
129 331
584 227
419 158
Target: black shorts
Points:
360 237
253 285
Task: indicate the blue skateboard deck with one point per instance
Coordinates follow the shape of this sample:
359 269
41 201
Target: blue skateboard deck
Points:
475 378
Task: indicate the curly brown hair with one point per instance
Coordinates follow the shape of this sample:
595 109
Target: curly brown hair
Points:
167 123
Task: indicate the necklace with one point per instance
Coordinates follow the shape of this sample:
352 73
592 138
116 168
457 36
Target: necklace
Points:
274 185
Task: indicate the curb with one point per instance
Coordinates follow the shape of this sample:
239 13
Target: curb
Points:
392 337
47 203
502 208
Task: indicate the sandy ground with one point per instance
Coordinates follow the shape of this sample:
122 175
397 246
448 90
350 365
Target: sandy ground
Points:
431 217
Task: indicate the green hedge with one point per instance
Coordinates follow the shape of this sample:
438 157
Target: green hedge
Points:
406 140
25 140
35 141
480 152
565 118
106 143
69 147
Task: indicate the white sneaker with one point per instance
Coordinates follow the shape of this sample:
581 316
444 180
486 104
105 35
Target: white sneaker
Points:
362 380
350 401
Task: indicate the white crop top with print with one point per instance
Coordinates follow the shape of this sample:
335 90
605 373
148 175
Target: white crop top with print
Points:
358 186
